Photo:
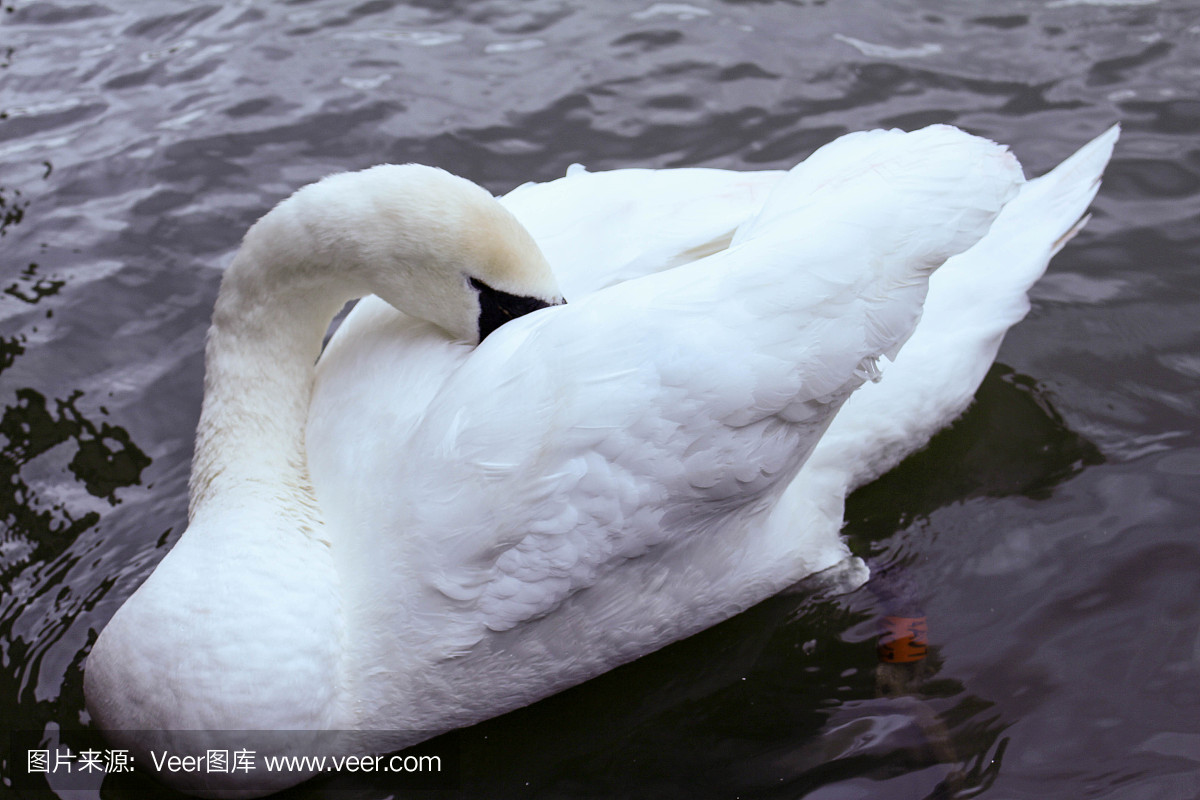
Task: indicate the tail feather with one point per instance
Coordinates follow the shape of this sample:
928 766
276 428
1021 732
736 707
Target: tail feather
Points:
1055 203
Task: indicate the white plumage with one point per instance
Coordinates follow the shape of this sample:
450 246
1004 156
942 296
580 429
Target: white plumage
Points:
447 531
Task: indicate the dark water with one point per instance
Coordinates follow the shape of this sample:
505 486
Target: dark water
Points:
1051 536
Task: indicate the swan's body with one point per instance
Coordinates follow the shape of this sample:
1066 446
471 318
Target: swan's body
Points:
446 532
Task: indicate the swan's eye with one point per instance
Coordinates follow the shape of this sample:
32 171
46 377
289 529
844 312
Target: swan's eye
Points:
497 307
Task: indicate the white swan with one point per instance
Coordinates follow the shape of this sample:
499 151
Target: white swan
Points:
465 529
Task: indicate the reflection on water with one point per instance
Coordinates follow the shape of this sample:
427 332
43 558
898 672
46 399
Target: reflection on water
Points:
138 141
38 528
104 460
49 451
1009 441
12 207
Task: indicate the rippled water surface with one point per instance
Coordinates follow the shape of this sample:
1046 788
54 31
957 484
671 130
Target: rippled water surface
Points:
1051 535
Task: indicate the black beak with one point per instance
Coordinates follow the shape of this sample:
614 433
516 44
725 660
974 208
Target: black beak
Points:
497 308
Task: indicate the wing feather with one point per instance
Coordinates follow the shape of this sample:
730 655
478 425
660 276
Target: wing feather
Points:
680 403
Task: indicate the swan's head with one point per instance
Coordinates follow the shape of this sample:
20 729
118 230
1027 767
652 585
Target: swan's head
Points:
433 245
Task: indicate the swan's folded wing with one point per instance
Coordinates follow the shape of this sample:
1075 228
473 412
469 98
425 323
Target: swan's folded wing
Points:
678 405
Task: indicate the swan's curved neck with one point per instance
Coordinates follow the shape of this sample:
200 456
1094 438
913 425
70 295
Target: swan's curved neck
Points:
413 235
253 573
268 323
